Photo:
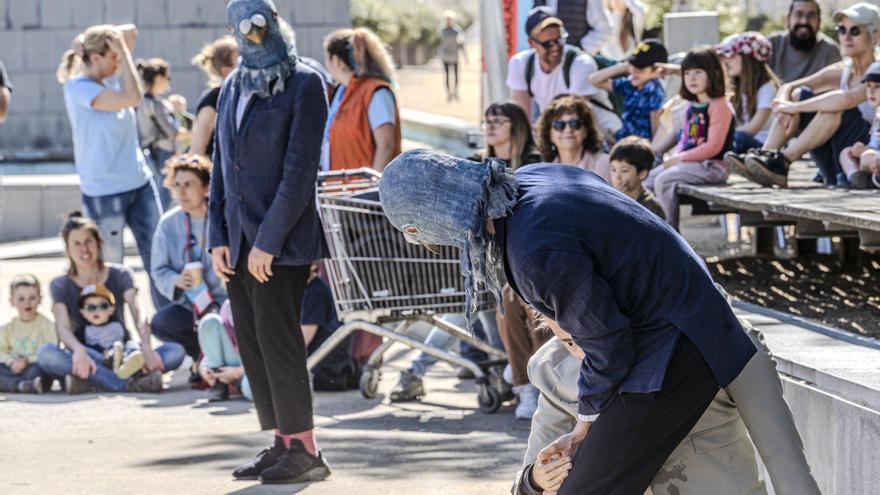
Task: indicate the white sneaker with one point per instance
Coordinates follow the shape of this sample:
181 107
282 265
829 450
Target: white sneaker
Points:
528 401
507 375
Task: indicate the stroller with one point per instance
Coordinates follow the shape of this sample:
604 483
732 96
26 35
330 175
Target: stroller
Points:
383 285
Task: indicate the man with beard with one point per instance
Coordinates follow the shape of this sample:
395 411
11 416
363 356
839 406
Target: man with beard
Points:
803 50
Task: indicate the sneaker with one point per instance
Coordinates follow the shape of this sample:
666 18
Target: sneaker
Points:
767 168
129 365
409 388
860 180
75 386
219 392
876 180
116 355
265 459
528 401
736 162
150 383
296 465
463 373
34 386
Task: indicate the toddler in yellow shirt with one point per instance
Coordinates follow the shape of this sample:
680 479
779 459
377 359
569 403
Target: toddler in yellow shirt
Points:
22 336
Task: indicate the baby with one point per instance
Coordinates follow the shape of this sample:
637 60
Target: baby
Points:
97 305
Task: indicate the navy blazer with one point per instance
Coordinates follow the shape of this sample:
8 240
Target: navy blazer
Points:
619 279
265 171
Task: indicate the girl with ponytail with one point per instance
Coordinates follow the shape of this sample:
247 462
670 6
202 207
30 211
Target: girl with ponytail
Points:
363 125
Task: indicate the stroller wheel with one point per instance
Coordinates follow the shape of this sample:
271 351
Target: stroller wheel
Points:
488 398
369 382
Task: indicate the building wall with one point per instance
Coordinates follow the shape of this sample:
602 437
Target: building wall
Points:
35 33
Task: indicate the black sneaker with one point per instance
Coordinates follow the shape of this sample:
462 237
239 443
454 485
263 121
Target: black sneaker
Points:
736 162
409 388
219 392
296 466
860 180
264 460
34 386
767 168
150 383
75 386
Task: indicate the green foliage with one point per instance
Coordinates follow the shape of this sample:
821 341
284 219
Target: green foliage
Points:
408 23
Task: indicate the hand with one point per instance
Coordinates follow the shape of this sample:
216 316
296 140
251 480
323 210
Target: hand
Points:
222 263
83 364
152 360
566 445
178 102
671 161
549 476
665 69
185 281
857 149
785 107
18 365
260 264
229 374
116 42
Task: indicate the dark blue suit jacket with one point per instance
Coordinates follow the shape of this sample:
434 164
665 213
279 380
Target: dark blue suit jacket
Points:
265 172
619 279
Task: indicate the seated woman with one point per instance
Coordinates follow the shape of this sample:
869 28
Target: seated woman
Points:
824 124
508 135
81 367
567 133
181 267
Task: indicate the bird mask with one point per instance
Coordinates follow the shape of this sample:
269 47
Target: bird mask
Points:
267 57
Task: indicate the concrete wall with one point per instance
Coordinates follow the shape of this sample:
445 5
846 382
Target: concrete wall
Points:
34 34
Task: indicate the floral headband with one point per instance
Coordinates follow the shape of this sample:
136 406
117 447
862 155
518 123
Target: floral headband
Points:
750 43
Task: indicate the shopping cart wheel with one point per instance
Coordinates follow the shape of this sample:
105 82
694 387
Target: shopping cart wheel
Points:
488 398
369 383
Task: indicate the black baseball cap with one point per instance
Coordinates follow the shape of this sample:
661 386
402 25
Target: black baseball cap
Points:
647 53
873 73
540 18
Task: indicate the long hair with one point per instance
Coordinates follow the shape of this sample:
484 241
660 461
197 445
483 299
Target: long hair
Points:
560 106
362 52
521 141
216 56
76 221
93 40
745 86
704 58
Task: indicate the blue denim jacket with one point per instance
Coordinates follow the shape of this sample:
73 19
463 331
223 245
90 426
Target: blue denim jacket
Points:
619 279
265 172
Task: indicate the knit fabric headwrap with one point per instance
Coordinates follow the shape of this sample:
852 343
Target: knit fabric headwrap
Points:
437 199
262 63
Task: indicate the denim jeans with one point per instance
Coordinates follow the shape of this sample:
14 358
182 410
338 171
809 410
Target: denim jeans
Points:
57 363
156 159
443 340
140 210
218 349
175 323
9 381
743 142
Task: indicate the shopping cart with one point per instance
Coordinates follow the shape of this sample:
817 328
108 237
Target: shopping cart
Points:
383 285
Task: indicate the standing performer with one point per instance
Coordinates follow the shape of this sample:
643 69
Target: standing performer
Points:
265 231
658 336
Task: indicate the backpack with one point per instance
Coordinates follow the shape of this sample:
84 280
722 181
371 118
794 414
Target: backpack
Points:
568 58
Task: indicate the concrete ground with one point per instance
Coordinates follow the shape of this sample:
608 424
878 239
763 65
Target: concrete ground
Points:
177 442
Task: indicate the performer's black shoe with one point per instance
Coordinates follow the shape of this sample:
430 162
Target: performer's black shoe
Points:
261 462
296 465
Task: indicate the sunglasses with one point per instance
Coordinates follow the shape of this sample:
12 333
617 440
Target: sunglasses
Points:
853 31
493 123
560 125
549 44
91 308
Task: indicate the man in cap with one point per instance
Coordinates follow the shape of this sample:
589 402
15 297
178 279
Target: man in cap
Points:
824 124
659 338
803 49
264 229
588 22
551 68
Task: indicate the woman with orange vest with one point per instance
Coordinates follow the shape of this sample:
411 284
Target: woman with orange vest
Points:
363 124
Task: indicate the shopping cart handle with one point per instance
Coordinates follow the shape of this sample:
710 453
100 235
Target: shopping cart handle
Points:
364 172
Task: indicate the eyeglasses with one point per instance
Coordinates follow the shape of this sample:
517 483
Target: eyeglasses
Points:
853 30
493 123
91 308
560 125
549 44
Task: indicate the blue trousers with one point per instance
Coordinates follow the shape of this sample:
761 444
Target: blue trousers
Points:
9 381
218 349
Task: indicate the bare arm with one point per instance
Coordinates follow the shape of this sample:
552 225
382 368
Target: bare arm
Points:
826 79
132 93
134 309
602 79
65 329
757 122
832 101
309 332
384 138
203 129
129 34
5 97
522 98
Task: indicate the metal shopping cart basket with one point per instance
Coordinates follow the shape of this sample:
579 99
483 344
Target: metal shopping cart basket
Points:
382 284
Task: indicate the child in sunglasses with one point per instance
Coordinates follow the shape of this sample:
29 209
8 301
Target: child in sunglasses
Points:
707 132
22 336
97 305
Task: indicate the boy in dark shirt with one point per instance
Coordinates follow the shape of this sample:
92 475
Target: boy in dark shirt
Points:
631 160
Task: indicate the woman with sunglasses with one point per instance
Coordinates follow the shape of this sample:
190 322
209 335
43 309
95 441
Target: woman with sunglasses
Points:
567 133
508 135
181 266
826 124
82 368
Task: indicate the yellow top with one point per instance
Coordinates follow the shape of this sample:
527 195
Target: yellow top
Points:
23 338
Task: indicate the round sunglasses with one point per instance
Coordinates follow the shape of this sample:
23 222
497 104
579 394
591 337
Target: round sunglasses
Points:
91 308
853 30
560 125
549 44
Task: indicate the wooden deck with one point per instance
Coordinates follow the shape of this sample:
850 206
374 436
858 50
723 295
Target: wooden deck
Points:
814 209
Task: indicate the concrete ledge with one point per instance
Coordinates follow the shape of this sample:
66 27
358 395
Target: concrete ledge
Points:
34 206
445 133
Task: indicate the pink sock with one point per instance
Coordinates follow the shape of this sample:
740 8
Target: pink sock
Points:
306 437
